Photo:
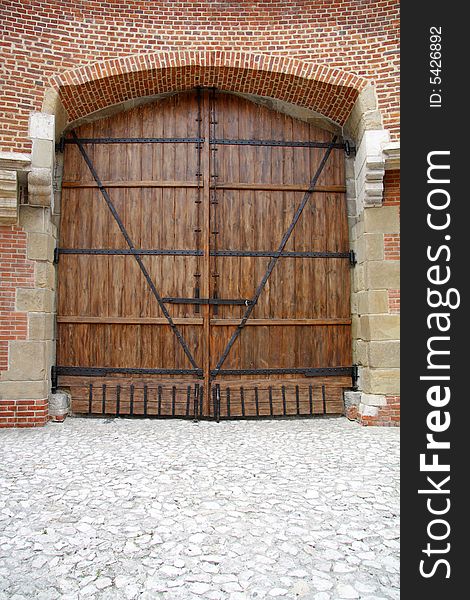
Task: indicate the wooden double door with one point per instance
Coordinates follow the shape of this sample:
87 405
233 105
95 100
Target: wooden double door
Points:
203 265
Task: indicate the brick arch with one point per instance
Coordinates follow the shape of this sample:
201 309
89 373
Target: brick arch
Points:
87 89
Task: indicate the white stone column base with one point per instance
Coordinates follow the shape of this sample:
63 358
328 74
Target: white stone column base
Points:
59 405
359 404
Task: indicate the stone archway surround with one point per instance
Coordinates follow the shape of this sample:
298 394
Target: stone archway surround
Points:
345 100
328 91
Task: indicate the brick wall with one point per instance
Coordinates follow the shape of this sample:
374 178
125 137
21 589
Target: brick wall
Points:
392 188
23 413
389 415
394 301
15 271
392 241
341 45
40 40
392 247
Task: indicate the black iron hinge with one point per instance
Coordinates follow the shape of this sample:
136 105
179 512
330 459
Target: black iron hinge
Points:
53 379
349 149
60 146
352 258
215 301
56 256
355 376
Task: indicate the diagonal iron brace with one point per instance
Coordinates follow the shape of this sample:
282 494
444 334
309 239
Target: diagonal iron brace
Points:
134 251
274 259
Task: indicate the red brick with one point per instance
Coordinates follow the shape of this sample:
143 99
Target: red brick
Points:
388 415
350 40
23 413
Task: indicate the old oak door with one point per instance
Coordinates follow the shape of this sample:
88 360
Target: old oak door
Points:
203 265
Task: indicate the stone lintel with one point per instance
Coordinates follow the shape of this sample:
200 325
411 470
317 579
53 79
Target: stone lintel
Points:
15 161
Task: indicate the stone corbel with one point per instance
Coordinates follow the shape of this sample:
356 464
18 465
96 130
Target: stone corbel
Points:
40 179
40 186
369 168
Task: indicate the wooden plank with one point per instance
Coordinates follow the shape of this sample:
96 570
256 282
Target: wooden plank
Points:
130 184
233 206
98 270
205 238
306 292
129 320
243 214
170 353
277 187
286 321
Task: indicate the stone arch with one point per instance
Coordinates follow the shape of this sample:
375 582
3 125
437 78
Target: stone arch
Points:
92 88
345 100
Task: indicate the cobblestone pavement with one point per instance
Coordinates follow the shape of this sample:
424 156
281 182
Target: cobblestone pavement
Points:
112 509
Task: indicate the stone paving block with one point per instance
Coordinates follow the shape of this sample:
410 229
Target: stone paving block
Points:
123 508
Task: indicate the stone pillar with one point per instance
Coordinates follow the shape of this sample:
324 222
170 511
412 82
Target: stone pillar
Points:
25 383
376 330
376 326
42 134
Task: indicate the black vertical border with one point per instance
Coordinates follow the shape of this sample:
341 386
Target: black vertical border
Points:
424 129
